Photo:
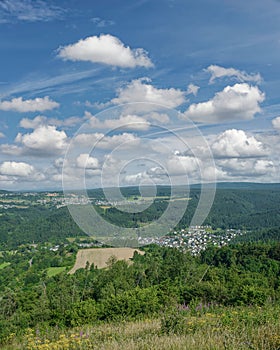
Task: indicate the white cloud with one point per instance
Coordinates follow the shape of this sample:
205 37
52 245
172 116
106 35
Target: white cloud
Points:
58 163
247 167
88 140
40 120
140 90
220 72
133 179
99 140
105 49
182 165
160 117
240 101
27 123
84 161
125 122
10 149
157 174
37 105
1 135
16 169
236 143
192 89
212 173
125 140
44 140
276 123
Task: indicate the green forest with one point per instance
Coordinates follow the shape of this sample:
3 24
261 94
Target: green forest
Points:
222 298
254 208
161 280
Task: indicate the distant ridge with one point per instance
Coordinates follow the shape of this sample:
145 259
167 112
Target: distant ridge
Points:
248 185
220 185
4 191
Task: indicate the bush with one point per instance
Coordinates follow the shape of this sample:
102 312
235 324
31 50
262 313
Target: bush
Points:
131 304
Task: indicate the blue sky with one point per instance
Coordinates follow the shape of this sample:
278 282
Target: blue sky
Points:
200 77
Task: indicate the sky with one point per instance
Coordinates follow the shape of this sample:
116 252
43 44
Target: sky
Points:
118 93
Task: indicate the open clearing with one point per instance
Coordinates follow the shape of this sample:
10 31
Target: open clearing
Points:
100 256
53 271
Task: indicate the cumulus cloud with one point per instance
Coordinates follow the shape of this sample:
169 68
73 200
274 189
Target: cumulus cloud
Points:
105 49
236 143
44 140
221 72
36 105
240 101
102 141
276 123
160 117
16 169
88 139
154 174
27 123
182 165
10 149
84 161
192 89
1 135
124 140
40 120
140 90
246 167
212 173
58 163
125 122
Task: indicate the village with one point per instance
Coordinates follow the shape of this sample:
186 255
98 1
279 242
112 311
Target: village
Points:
195 238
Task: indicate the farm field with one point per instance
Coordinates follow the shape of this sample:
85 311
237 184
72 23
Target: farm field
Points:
100 256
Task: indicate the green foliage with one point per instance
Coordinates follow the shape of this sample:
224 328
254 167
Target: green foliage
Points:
34 292
131 304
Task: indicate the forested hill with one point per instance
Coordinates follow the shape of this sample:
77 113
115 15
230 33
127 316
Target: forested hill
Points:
247 206
247 186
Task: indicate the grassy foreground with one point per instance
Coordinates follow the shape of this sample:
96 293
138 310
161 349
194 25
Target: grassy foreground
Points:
182 328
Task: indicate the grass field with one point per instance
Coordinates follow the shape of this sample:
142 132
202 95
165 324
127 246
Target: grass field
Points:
100 256
240 328
52 271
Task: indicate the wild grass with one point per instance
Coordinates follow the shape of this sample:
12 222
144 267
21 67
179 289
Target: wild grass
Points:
53 271
202 329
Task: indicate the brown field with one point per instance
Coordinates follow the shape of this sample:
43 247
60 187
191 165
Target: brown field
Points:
100 256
